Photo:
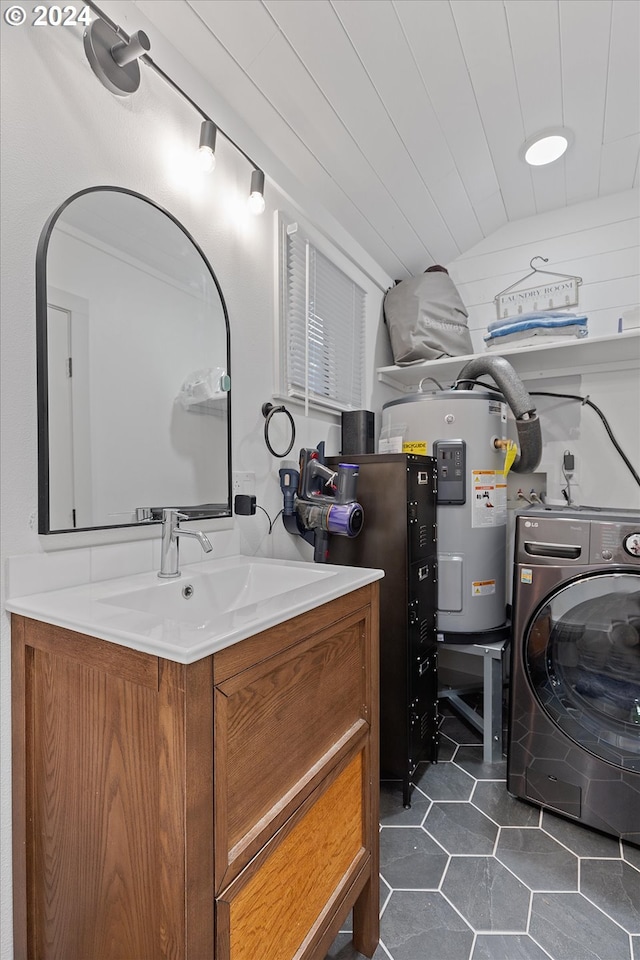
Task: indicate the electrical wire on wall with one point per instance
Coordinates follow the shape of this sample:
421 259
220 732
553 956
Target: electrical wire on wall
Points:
271 522
568 466
585 401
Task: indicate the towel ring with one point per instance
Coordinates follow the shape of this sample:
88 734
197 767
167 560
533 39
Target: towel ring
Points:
268 411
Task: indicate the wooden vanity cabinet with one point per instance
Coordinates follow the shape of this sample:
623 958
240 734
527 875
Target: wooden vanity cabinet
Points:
221 810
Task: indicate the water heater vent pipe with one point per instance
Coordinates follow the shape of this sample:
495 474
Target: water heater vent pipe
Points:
519 401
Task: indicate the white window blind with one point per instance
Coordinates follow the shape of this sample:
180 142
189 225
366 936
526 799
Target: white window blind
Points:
324 320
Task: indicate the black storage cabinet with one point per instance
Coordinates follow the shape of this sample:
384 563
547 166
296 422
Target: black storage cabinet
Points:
398 495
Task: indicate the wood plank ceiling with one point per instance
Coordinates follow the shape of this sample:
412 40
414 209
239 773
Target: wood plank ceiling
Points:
406 117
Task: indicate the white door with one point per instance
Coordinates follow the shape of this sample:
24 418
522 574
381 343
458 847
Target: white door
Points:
60 366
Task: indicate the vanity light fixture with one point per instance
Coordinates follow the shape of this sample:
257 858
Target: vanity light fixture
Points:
207 148
114 60
114 55
256 193
546 146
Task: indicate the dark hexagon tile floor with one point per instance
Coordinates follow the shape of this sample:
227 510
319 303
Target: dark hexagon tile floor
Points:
492 798
470 759
615 887
444 781
507 946
584 843
537 859
417 924
410 859
631 854
486 894
471 873
569 927
446 748
393 814
461 828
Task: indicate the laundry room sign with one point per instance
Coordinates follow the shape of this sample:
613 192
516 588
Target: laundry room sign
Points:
546 296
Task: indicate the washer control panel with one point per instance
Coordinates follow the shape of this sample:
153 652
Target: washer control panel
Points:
613 542
549 536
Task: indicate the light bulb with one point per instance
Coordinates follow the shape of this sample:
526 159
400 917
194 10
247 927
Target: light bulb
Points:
206 155
256 203
206 159
256 192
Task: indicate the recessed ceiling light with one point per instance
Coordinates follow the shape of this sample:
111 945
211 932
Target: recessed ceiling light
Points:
547 146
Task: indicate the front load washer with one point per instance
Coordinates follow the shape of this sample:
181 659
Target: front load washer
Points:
574 717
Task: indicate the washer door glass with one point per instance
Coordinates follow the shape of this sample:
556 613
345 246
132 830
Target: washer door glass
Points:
582 655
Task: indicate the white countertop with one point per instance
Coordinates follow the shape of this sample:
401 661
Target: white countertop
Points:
107 609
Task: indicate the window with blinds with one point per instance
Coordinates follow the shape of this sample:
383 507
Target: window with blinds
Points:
323 338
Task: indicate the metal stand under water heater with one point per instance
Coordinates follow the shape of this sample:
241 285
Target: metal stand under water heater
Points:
465 431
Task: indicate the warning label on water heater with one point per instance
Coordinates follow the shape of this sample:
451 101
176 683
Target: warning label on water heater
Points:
488 498
481 588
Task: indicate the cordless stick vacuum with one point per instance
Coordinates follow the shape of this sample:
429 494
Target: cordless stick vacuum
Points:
319 501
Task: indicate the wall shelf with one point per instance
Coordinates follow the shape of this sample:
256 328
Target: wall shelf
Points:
212 405
558 359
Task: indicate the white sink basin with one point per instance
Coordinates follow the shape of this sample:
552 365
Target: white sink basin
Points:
213 604
198 598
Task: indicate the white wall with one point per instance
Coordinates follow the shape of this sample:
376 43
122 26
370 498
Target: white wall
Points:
598 241
62 132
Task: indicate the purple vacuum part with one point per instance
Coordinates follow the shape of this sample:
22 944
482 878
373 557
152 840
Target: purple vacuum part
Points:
342 519
345 519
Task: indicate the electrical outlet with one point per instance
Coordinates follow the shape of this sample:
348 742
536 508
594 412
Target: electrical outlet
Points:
244 482
570 466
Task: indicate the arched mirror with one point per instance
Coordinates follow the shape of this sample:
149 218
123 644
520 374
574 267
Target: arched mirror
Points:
133 368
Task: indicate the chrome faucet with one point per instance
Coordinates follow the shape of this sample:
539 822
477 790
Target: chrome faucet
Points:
171 533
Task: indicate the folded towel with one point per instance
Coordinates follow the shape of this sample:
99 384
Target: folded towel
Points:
523 338
555 315
568 326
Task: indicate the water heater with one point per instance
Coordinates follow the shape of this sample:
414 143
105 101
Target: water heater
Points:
460 428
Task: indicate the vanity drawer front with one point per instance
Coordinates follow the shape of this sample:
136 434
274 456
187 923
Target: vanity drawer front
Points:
279 902
278 726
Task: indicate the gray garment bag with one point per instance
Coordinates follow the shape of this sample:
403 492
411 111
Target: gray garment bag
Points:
426 319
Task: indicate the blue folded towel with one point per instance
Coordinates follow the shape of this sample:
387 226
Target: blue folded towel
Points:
527 324
537 315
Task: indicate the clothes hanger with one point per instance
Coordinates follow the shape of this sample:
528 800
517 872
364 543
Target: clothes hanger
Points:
550 273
